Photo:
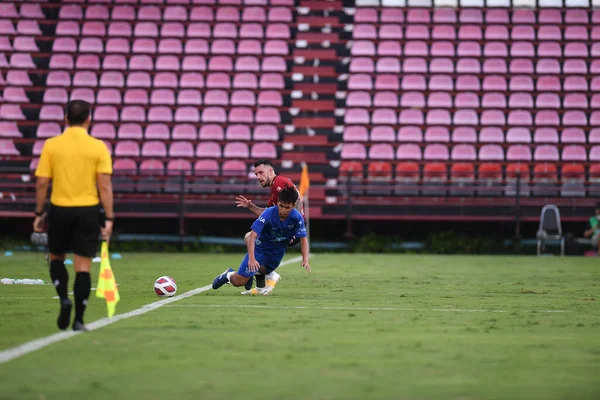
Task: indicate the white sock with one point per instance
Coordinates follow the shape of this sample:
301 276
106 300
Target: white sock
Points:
229 275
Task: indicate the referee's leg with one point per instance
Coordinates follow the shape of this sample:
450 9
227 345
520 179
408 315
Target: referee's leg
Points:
85 245
59 238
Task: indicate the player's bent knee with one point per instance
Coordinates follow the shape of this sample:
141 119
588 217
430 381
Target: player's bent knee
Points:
238 280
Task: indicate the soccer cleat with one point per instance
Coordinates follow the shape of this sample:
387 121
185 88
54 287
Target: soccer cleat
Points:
79 326
272 280
64 317
255 291
248 284
221 280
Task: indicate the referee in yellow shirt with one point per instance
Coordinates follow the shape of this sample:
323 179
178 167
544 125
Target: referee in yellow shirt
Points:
78 165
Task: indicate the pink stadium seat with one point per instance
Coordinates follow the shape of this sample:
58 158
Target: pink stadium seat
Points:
67 28
441 83
214 114
181 149
245 80
136 96
185 132
123 12
441 65
65 45
391 15
236 150
93 28
411 117
91 45
366 15
468 66
227 14
414 65
364 31
187 114
156 132
381 99
175 13
238 132
151 167
263 150
545 135
417 31
574 118
133 114
189 97
167 63
412 99
165 80
355 134
382 134
444 100
490 134
575 66
546 84
116 45
547 66
112 79
160 114
144 46
44 130
408 152
280 14
149 13
21 78
492 118
353 151
216 97
381 151
577 153
436 152
464 135
384 116
416 48
254 31
518 135
444 15
360 82
464 152
271 98
170 46
211 132
21 60
413 82
438 117
491 152
225 30
494 83
129 131
443 32
575 84
468 83
437 134
108 96
576 16
162 97
522 83
492 100
573 135
465 117
547 118
198 46
220 63
198 30
521 66
127 148
18 95
356 116
549 49
154 149
520 118
393 32
267 115
37 147
85 94
193 63
594 136
358 99
387 82
520 100
266 132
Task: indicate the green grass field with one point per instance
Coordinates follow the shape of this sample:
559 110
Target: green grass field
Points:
358 327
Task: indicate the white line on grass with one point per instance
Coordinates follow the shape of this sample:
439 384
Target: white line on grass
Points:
34 345
357 308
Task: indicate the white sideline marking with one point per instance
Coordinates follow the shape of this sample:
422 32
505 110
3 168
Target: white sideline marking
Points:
357 308
29 347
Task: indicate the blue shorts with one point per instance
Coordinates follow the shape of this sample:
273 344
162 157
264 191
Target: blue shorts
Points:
269 261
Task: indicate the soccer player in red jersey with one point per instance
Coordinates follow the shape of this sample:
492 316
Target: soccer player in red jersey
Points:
265 173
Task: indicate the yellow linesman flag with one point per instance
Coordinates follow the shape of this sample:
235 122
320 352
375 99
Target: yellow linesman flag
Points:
304 180
107 286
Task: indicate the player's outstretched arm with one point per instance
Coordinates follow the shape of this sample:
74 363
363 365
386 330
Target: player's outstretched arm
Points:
243 202
304 249
253 265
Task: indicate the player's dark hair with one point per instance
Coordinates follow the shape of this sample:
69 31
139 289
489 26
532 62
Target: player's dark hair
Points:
263 161
78 111
288 195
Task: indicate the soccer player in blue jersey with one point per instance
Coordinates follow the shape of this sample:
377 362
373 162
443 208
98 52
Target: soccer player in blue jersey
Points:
270 235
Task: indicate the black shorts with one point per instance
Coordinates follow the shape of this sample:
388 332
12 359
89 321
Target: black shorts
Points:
74 229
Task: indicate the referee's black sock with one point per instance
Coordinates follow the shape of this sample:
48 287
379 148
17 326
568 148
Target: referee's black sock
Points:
60 278
83 283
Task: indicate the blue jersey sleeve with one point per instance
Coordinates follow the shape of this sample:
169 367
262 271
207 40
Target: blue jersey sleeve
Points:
261 221
300 227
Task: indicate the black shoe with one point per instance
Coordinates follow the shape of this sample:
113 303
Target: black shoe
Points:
248 284
79 326
64 317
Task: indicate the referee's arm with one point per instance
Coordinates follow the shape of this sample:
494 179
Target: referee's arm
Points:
105 192
43 175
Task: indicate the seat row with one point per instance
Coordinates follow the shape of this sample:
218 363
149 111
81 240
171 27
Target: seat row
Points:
469 135
222 13
490 117
492 15
168 62
472 48
221 30
468 152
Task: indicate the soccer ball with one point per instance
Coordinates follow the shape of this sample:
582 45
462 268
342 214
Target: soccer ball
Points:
165 286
